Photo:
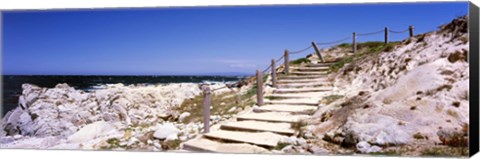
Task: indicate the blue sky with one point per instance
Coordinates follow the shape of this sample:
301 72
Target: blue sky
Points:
194 40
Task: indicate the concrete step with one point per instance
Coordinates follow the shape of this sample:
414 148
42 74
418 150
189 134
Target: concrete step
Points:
321 68
287 81
298 101
308 73
320 64
206 145
303 85
301 90
316 95
273 117
280 128
266 139
303 77
296 109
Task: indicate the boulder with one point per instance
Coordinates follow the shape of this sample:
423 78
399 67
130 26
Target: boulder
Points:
231 110
165 130
92 131
171 137
365 147
183 116
6 139
317 150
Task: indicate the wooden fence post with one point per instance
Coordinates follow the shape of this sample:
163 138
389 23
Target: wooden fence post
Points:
354 43
259 88
274 74
285 56
317 51
410 28
386 35
206 108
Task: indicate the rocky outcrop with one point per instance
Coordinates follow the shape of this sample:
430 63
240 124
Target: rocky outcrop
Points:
63 117
411 93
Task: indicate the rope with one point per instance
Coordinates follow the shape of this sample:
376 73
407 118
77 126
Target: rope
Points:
278 60
300 51
334 42
266 70
398 32
371 33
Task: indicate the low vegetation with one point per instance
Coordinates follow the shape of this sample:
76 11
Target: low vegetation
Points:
330 99
363 50
445 151
300 61
220 104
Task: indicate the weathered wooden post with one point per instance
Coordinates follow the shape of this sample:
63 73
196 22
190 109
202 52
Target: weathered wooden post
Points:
274 74
410 28
386 35
285 56
317 51
354 43
259 88
206 108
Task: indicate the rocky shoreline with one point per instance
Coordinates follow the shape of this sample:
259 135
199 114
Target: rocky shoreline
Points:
116 117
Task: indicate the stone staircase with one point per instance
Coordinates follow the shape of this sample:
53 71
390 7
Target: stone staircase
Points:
261 130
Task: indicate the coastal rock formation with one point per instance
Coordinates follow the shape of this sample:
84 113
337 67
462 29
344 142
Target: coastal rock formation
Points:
63 117
416 91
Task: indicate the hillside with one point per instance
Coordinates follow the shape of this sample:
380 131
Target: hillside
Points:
405 98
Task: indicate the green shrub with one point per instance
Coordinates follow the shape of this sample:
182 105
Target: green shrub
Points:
299 61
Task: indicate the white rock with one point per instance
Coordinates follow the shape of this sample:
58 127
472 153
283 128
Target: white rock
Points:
316 150
183 138
165 130
171 137
123 143
6 139
16 137
157 145
231 110
302 142
292 140
132 141
183 116
288 149
374 149
363 146
92 131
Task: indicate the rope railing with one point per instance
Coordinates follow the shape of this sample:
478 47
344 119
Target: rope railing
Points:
260 74
300 51
278 60
371 33
398 32
335 42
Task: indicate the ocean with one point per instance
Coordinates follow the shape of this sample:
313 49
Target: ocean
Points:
12 84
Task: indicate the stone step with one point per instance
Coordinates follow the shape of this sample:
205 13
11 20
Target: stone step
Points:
298 101
206 145
305 73
296 109
266 139
320 64
303 85
309 77
301 90
321 68
287 81
280 128
273 117
316 95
